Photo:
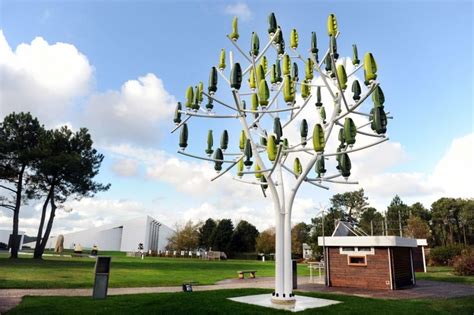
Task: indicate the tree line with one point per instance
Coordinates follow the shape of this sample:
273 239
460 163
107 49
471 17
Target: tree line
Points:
47 165
448 221
220 235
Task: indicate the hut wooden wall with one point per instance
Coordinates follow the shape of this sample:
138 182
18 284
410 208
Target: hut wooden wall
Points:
376 275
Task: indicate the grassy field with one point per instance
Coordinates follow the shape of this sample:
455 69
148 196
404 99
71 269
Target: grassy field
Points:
56 272
444 273
216 302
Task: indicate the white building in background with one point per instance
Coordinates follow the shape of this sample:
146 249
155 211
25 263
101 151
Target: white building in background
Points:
5 236
307 251
124 236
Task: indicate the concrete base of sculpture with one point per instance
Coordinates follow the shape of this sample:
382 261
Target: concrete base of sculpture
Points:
301 302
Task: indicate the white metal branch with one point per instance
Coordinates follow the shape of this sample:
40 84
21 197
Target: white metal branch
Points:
210 115
358 149
205 159
251 183
221 73
262 53
220 102
355 70
238 48
228 169
297 113
180 124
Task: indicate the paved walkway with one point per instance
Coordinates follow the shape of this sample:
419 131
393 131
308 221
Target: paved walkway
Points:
9 298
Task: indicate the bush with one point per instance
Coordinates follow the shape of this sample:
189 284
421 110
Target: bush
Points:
3 246
444 255
464 264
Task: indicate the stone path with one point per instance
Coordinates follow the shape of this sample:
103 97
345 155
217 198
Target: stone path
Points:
9 298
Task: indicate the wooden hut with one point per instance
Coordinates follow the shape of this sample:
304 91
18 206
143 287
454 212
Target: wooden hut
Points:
419 255
370 262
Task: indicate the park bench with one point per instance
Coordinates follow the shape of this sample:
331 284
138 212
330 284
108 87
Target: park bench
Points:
243 272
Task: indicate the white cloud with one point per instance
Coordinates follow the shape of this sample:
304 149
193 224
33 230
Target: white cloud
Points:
240 10
133 114
125 167
42 78
455 171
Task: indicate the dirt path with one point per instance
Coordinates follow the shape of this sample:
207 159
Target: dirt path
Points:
10 298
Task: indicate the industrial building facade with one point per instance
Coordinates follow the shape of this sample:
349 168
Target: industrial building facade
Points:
124 236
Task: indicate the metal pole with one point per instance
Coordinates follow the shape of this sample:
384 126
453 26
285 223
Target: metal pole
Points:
326 281
400 223
371 227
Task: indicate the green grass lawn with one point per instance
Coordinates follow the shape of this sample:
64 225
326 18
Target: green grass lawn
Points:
57 272
444 273
216 302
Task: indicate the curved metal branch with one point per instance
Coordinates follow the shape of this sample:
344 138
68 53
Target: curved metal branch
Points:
180 124
297 113
220 102
271 111
361 132
251 183
359 102
262 53
203 158
340 182
358 149
317 185
208 116
355 70
227 169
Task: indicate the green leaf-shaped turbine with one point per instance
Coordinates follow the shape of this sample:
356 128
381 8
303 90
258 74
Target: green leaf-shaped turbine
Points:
294 39
342 77
345 165
303 132
236 76
255 45
378 97
212 88
271 148
289 90
189 97
210 143
222 60
219 157
235 29
272 24
320 167
318 138
263 93
356 90
177 114
297 168
183 137
332 25
370 68
286 64
277 129
355 55
350 131
224 140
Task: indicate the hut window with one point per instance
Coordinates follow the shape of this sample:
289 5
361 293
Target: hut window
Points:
348 249
365 249
357 261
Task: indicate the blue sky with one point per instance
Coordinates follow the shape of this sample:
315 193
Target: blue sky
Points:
423 50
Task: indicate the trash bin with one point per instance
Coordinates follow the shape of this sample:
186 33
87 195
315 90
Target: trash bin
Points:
295 274
101 283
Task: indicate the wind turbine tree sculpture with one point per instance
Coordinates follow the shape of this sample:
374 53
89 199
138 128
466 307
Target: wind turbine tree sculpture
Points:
262 142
